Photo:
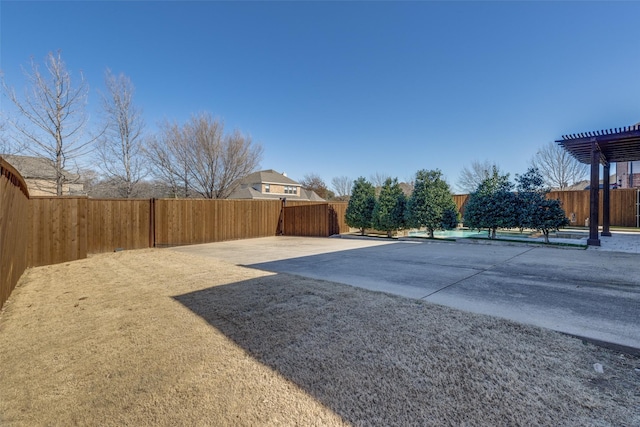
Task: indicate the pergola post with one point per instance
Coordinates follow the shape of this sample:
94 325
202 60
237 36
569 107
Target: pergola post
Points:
605 201
594 195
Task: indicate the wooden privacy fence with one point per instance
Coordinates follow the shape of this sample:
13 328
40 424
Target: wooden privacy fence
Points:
49 230
315 220
623 210
624 206
189 221
14 226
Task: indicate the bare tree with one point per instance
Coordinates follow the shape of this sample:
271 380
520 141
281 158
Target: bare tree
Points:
473 175
216 161
167 154
120 147
342 186
240 157
313 182
5 144
54 115
558 168
378 179
199 159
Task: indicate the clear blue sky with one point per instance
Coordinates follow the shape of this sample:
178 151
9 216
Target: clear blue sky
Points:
355 88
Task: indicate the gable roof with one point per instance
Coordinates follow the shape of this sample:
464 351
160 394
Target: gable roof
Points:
31 167
245 189
268 176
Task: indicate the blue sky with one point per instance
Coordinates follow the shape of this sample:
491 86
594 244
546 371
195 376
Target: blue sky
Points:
355 88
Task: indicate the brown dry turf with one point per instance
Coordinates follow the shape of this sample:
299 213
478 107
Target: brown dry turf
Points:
155 337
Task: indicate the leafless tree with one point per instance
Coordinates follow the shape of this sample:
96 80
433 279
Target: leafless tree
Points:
52 115
199 159
313 182
378 179
342 186
558 168
167 155
217 161
471 176
120 147
5 144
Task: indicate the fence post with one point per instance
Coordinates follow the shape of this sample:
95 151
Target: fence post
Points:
152 222
280 231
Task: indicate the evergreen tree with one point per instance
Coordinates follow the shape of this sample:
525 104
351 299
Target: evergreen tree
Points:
361 204
535 210
530 193
388 214
450 218
431 204
492 205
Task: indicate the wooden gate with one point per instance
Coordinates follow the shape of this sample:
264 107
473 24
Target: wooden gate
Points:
314 220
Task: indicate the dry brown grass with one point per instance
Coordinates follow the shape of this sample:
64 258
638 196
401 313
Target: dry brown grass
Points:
155 337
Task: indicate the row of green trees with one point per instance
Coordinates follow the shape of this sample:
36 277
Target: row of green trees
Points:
430 205
495 205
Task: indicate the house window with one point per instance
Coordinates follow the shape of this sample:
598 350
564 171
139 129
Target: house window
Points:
290 190
266 188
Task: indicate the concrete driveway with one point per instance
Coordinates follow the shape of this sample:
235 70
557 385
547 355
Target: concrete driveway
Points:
592 294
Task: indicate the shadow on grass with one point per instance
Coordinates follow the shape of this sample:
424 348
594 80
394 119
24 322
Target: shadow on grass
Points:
378 359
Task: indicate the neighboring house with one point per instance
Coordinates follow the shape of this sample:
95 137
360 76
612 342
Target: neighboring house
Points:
628 174
269 184
586 185
40 176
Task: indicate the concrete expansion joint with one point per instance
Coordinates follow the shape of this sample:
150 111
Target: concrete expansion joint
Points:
476 274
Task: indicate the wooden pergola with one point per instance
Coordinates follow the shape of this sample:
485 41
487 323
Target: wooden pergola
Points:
602 148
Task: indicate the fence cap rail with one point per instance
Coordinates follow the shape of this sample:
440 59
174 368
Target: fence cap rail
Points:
14 176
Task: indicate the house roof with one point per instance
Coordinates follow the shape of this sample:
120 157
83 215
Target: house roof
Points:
309 195
252 193
268 176
36 167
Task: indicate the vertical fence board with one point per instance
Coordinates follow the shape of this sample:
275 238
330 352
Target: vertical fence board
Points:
58 230
194 221
622 206
117 224
14 226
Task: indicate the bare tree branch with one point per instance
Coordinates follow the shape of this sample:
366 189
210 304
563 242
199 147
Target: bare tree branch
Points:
342 186
558 168
120 148
167 154
378 179
54 115
200 158
313 182
472 176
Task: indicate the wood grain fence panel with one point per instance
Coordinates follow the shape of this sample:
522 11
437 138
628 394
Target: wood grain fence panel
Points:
58 230
576 205
337 222
118 224
460 200
307 220
14 229
623 207
194 221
